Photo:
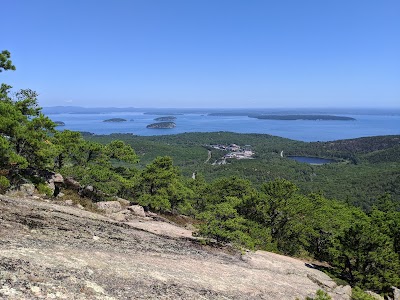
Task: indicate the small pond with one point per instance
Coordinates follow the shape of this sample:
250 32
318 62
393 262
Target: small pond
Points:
312 160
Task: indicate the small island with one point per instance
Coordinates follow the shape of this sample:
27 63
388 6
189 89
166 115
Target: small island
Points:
162 125
167 118
304 117
115 120
59 123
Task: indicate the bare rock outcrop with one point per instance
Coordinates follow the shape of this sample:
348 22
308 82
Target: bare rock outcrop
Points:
56 251
396 293
23 190
137 210
109 206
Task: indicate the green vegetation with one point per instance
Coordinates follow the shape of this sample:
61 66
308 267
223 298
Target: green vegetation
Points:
167 118
162 125
30 146
302 117
265 116
115 120
320 295
269 203
359 294
367 167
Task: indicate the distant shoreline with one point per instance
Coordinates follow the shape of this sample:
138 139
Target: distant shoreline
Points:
304 117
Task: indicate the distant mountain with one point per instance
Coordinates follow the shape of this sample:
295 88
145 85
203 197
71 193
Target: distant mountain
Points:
85 110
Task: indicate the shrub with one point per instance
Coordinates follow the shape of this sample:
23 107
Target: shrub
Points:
4 184
359 294
320 295
44 189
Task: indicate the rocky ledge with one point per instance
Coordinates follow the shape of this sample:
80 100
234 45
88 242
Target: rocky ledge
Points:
54 251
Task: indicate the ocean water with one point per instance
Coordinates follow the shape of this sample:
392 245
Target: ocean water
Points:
366 124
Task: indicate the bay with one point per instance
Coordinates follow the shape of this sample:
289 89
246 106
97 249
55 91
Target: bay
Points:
366 124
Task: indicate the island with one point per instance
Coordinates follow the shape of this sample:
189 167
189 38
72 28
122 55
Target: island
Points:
162 125
161 113
59 123
167 118
303 117
115 120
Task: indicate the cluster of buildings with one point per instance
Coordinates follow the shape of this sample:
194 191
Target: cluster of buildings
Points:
235 151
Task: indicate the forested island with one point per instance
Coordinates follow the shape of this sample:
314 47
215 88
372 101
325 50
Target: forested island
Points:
303 117
167 118
288 117
59 123
162 125
162 113
115 120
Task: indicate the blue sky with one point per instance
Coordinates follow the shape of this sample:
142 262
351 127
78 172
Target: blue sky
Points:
192 53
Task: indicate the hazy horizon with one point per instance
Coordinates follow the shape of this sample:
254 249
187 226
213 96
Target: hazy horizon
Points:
206 54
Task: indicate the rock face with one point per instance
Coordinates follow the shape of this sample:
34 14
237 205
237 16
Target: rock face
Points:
52 251
396 293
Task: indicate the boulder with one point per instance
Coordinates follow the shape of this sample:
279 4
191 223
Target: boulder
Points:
109 206
87 191
27 189
341 292
54 182
137 210
69 202
122 216
57 178
72 184
123 201
150 214
396 293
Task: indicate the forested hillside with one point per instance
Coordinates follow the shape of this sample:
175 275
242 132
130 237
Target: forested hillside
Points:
366 168
269 202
